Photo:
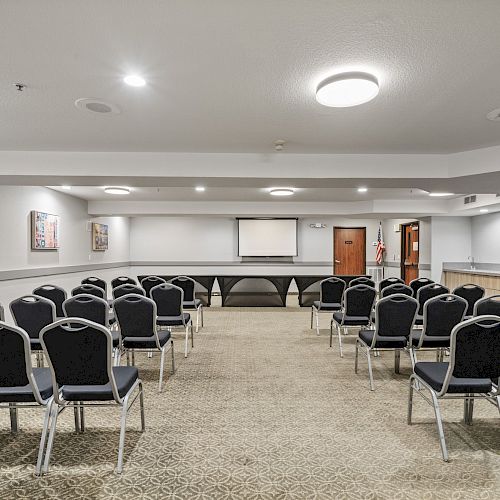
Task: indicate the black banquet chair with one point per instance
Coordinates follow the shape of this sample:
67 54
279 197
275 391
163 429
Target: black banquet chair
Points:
127 289
357 305
32 313
424 294
2 313
88 289
388 282
473 364
94 309
170 312
83 376
150 282
396 288
92 280
331 291
488 305
190 302
362 280
418 283
54 293
136 316
394 319
471 293
21 385
122 280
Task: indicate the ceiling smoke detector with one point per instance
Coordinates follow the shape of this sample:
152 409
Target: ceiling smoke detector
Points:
279 144
93 105
494 115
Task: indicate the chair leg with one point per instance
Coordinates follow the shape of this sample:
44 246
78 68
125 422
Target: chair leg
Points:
370 372
141 404
331 331
43 437
133 357
316 313
312 312
439 423
410 400
150 354
356 356
82 418
162 360
173 358
192 336
201 314
13 418
197 319
128 357
123 425
50 442
397 360
340 342
186 340
77 418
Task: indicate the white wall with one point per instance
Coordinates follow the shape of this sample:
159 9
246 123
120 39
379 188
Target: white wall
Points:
451 241
486 238
16 203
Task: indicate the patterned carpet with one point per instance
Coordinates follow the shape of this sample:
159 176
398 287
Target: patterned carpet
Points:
263 409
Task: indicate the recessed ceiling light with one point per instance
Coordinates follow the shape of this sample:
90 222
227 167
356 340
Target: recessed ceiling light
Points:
281 191
66 188
134 81
200 189
347 89
483 210
441 194
117 190
362 190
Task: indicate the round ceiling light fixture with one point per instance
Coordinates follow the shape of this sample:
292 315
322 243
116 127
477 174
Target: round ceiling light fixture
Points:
93 105
347 89
117 190
282 191
362 190
439 195
134 81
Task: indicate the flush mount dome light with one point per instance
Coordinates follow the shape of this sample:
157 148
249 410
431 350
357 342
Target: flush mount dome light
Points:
117 190
281 191
347 89
134 81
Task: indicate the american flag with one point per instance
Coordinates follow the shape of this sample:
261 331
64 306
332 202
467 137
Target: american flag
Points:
380 245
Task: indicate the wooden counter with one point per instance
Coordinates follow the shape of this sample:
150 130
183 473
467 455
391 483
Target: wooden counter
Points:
489 281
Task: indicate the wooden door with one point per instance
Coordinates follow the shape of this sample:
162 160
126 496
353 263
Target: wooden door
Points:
349 250
409 251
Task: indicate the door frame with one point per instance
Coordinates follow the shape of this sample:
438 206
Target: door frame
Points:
403 242
364 244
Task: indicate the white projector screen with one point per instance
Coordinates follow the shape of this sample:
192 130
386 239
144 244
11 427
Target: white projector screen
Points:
267 237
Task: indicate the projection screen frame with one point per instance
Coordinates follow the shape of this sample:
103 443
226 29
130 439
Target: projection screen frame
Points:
296 219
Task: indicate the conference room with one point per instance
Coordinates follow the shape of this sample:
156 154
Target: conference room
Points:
250 250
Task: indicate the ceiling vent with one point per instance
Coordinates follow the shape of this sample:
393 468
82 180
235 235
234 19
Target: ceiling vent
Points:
470 199
100 106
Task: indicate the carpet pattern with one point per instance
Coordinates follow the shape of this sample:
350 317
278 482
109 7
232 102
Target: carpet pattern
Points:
262 409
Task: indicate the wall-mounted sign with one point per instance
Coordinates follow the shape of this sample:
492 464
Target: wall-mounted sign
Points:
348 242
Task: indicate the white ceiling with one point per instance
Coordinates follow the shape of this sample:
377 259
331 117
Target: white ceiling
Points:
235 75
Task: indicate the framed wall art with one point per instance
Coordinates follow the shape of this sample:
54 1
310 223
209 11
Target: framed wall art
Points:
44 231
99 237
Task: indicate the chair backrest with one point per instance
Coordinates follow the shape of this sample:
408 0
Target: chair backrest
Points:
89 290
32 313
395 316
187 284
150 282
397 288
122 280
79 354
54 293
331 290
87 307
359 300
474 349
418 283
127 289
442 314
388 282
471 293
488 305
2 313
362 280
168 299
427 292
136 315
92 280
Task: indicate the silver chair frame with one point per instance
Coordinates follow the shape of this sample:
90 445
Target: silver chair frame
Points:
130 352
369 348
485 299
48 285
314 310
199 309
416 383
59 404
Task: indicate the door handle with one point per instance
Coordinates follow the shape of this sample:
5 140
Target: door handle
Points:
337 261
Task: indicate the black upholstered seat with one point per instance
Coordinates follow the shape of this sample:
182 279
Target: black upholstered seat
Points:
24 394
429 342
125 377
191 304
382 342
434 374
174 320
327 306
351 320
146 342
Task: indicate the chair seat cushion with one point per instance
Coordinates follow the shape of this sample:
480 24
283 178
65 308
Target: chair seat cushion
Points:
326 306
434 373
193 304
146 342
419 319
351 320
429 342
382 342
125 377
24 393
173 320
35 345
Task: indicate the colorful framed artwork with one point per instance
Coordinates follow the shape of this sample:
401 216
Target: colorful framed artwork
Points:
44 231
99 237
